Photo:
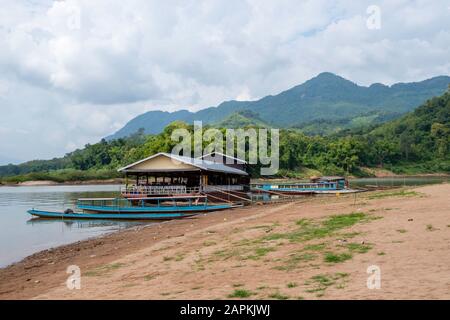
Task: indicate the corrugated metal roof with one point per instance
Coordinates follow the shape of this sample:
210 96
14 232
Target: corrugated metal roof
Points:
224 155
198 163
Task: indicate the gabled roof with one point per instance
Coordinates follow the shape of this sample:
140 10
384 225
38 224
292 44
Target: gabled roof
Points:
223 155
197 163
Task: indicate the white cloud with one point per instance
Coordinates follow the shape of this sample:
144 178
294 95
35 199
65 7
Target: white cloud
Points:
74 71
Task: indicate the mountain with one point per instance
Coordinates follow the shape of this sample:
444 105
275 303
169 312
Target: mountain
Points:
241 119
324 97
417 142
421 134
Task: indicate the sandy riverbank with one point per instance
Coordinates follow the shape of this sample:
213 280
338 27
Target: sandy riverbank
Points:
291 250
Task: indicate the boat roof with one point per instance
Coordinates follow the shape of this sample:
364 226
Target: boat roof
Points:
331 178
144 198
197 163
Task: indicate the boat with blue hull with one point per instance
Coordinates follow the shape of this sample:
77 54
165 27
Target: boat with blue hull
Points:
119 216
322 185
174 204
157 208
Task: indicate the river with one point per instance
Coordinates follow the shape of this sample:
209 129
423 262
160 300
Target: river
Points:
20 235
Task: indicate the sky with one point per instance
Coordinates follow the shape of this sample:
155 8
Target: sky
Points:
74 71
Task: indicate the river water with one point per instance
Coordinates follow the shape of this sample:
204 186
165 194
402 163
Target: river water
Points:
20 235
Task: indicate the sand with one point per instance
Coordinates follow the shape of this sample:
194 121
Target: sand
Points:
404 233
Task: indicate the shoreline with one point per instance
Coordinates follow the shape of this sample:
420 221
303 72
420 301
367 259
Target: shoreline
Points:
124 263
119 181
49 183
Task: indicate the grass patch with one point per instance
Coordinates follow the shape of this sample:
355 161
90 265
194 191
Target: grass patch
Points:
315 247
319 283
209 243
260 252
381 253
331 257
325 228
402 230
237 285
103 269
302 222
278 296
359 248
149 277
397 193
240 293
431 228
291 285
294 260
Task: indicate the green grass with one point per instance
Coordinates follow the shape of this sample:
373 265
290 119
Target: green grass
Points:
291 285
319 283
103 269
209 243
359 248
294 260
431 228
381 253
302 222
315 247
308 230
240 293
331 257
402 230
260 252
397 193
278 296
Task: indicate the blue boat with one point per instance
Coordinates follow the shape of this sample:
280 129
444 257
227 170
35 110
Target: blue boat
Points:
157 208
316 186
173 204
119 216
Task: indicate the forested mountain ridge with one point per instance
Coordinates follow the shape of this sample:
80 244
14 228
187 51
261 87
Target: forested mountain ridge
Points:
326 97
418 142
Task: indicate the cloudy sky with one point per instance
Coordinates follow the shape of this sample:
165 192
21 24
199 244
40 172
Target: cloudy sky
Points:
74 71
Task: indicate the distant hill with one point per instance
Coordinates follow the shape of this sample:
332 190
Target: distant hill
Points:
417 142
326 97
421 134
242 119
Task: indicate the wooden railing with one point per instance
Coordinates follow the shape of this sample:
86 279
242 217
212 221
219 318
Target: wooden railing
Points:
176 189
157 190
223 188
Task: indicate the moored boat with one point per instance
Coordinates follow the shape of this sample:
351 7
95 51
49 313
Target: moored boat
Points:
158 208
118 216
174 204
322 185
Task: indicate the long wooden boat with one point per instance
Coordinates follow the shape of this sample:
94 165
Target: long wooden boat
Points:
157 208
118 216
174 204
306 188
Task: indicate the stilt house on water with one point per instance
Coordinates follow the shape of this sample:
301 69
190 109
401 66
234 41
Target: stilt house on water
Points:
169 174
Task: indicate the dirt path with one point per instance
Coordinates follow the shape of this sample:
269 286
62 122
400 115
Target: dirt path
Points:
284 251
